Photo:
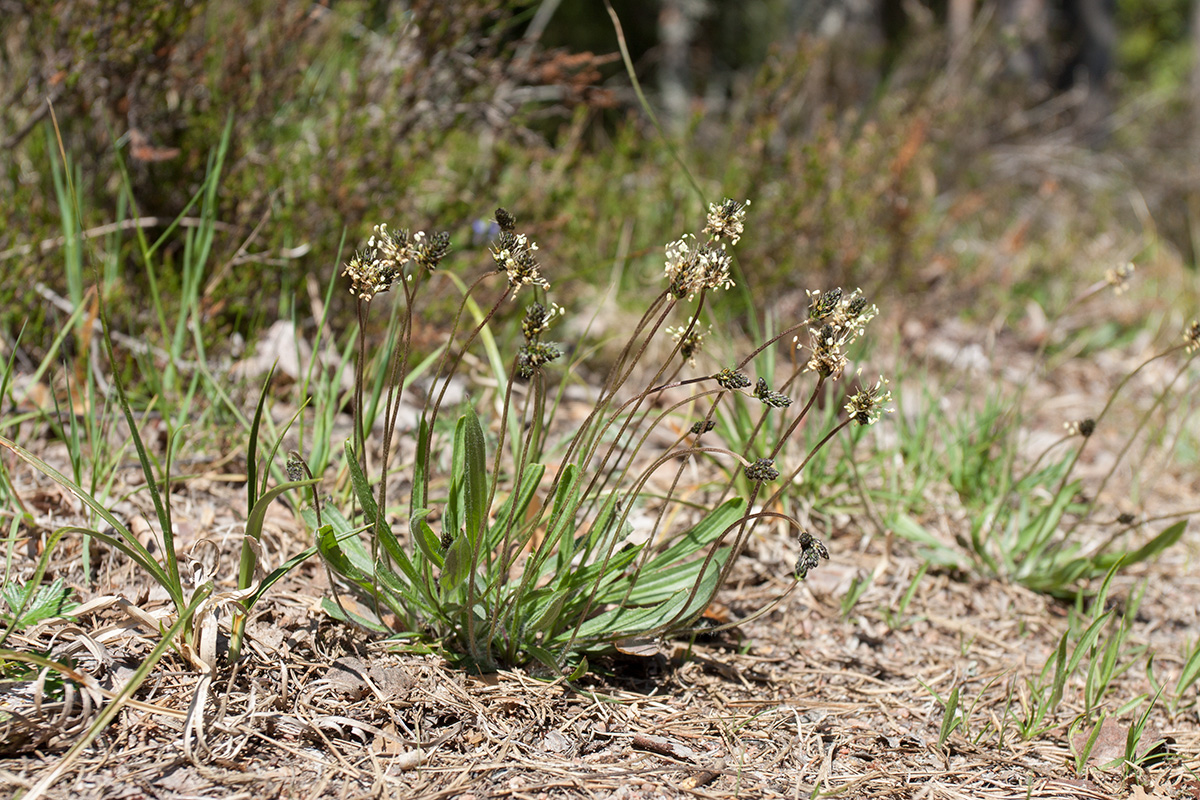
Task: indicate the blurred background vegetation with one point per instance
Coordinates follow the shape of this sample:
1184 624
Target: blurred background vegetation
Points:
939 157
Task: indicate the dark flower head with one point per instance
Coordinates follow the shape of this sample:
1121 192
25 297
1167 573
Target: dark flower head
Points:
769 398
731 379
703 426
690 342
429 251
692 268
867 405
824 303
535 318
1081 427
533 356
812 550
762 470
514 255
505 220
728 219
295 466
378 266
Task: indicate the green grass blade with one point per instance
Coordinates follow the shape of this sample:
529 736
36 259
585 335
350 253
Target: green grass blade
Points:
128 543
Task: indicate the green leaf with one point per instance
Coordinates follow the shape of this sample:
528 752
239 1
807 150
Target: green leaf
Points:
406 600
1150 549
330 547
580 669
474 474
544 657
547 608
657 585
1084 645
705 532
530 481
376 525
427 541
30 604
562 523
603 533
908 528
276 574
950 718
348 539
618 623
362 486
331 608
128 543
420 465
457 566
252 445
1035 537
1060 678
677 611
255 520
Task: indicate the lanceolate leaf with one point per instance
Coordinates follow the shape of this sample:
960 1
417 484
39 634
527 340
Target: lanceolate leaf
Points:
1150 549
421 467
254 523
474 474
656 586
508 515
427 541
705 532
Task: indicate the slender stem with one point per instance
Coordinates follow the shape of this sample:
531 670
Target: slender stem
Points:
1158 401
1099 417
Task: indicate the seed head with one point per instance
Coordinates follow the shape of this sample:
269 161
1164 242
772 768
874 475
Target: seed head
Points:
827 358
378 266
295 466
732 380
866 406
691 268
822 304
430 252
1126 518
703 426
769 398
1191 337
1118 277
690 343
762 470
1081 427
538 319
505 220
533 356
513 254
812 550
835 321
726 219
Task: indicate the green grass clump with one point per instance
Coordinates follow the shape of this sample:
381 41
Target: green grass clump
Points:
1036 523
